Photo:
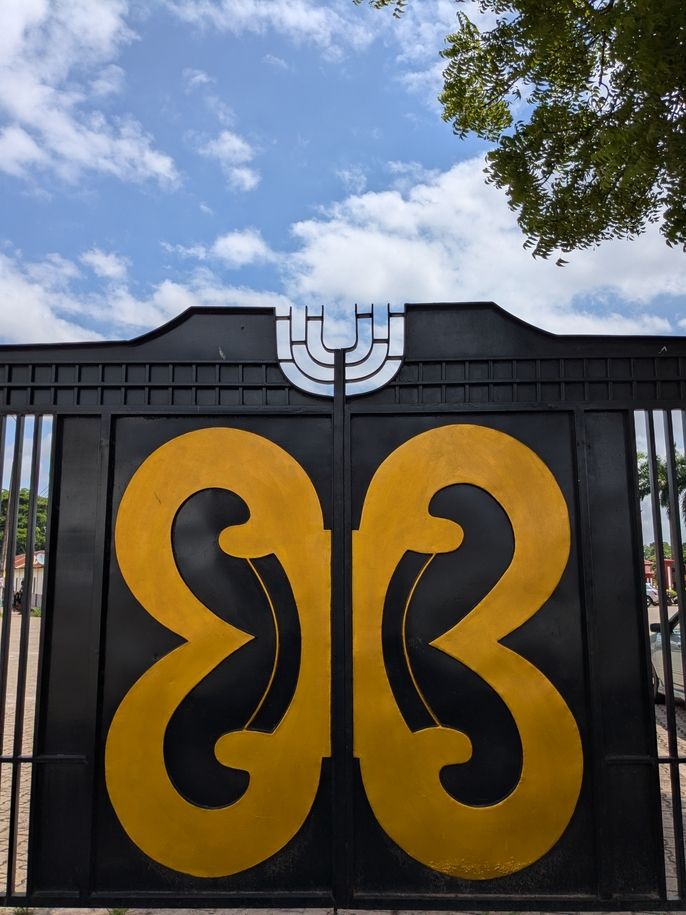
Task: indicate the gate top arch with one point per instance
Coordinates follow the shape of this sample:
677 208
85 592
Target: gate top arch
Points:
217 357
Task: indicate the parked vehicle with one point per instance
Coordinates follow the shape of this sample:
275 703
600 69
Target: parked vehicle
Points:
658 659
652 597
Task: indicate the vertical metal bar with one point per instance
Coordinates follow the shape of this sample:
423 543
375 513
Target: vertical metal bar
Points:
5 528
341 648
42 648
659 850
591 667
3 430
22 663
675 525
97 638
677 814
681 570
678 558
10 542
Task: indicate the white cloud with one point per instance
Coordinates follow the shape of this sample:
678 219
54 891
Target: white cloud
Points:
34 305
19 151
222 111
242 178
129 313
237 249
422 28
233 153
421 33
277 62
109 81
197 252
426 82
55 59
451 237
208 289
234 249
229 148
194 78
39 303
107 266
354 178
53 273
419 37
448 237
407 174
338 26
199 80
330 26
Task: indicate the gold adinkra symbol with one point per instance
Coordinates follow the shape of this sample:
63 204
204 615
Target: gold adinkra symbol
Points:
397 764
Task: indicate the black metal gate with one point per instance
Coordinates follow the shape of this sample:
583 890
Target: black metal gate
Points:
363 628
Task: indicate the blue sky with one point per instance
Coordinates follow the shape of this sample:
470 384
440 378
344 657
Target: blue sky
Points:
166 153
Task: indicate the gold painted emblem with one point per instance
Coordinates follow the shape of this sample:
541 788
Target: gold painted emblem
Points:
284 766
400 768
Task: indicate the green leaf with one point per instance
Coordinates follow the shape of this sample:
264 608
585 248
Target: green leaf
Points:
598 149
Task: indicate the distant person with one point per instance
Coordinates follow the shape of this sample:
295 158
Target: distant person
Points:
18 600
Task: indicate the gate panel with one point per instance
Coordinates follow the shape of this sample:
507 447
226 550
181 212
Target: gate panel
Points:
435 690
212 374
571 401
256 688
302 647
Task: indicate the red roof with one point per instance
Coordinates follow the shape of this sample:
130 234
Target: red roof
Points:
38 560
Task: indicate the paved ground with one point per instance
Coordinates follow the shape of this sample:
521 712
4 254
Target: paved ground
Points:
667 817
24 774
663 750
24 789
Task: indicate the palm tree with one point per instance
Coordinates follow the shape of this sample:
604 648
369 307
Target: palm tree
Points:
662 485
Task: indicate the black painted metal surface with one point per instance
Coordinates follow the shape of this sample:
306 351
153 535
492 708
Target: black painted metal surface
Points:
571 400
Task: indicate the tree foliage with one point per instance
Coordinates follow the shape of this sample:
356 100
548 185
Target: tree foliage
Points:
586 100
662 484
649 551
23 520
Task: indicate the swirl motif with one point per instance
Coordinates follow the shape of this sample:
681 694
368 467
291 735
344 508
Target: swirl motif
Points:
284 766
400 769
